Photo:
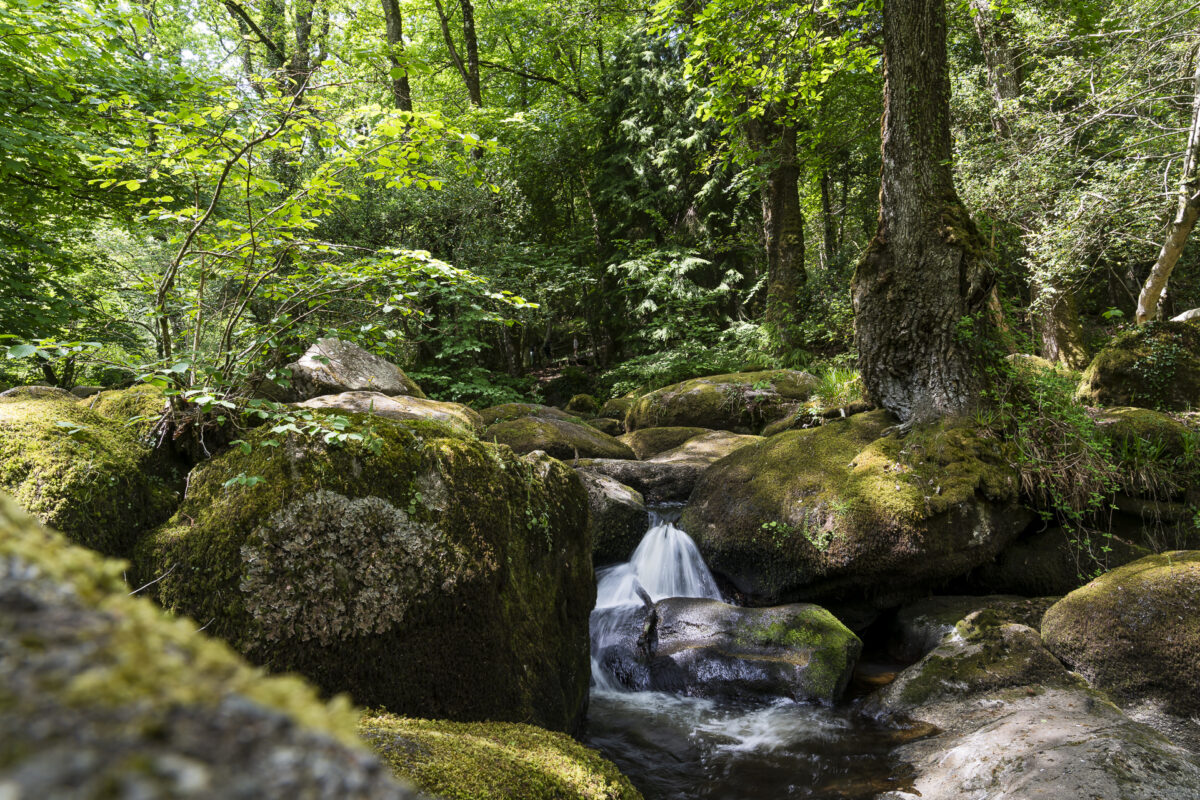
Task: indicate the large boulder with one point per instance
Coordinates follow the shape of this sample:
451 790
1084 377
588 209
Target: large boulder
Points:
1156 365
1134 632
707 448
90 476
1054 561
493 760
609 427
436 577
742 402
106 696
648 442
706 648
845 511
560 438
921 626
618 517
1013 723
657 482
332 366
507 411
582 405
458 417
617 407
140 407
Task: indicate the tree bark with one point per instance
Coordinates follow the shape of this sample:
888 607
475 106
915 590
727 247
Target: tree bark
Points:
783 227
471 43
394 22
1186 213
920 292
1003 66
829 226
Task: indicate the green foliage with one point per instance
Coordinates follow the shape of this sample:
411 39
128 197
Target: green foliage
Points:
707 352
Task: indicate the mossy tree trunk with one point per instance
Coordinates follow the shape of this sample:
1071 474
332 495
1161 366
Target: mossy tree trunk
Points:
920 292
783 225
394 22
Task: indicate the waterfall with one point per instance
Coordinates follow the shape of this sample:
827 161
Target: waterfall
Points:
666 563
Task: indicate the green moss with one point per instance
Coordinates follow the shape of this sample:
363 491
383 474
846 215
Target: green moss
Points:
560 438
138 406
140 658
352 565
493 761
741 402
1154 366
82 473
507 411
616 408
583 405
649 442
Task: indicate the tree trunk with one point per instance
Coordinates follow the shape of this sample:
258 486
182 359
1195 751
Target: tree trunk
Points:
920 292
401 90
1058 324
1003 65
1186 214
474 85
829 226
783 227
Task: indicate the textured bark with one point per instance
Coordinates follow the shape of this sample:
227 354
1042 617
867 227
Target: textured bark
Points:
1058 324
1186 214
783 226
920 292
1003 65
401 89
471 43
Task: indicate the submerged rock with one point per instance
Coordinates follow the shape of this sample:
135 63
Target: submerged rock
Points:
618 517
742 402
648 442
493 760
706 648
1156 365
332 366
658 482
88 475
106 696
560 438
442 578
463 419
1134 633
846 512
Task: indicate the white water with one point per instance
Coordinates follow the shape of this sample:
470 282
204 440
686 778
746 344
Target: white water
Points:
666 563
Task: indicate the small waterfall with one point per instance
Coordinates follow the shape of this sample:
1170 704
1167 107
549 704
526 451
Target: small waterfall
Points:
666 563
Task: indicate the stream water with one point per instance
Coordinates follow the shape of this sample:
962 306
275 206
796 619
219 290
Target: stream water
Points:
687 748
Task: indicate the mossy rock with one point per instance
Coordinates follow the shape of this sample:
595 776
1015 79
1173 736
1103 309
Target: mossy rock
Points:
89 476
582 405
1155 451
920 627
845 512
507 411
104 695
649 442
438 577
616 408
742 402
138 406
462 419
493 761
618 517
560 438
1052 562
609 427
36 392
1134 632
705 449
1156 366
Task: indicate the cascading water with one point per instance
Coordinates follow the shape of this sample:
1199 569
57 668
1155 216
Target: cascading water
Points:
675 747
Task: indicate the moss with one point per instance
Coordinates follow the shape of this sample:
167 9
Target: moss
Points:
507 411
616 408
845 505
82 473
352 565
741 402
559 438
433 429
609 427
1134 632
649 442
583 405
493 761
138 406
1153 366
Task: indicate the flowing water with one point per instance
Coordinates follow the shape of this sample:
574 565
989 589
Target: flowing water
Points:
686 748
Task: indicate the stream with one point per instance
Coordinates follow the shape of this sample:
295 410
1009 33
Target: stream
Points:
675 747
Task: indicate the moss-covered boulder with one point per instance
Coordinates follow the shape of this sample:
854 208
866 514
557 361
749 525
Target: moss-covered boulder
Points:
558 437
140 407
1135 632
921 626
648 442
36 392
332 366
507 411
103 695
742 402
706 648
844 511
1156 365
1054 561
438 577
457 416
618 517
705 449
87 475
609 427
582 405
493 761
616 408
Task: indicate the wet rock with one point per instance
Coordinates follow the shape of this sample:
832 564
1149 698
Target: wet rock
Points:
353 563
562 439
461 418
844 511
618 517
658 482
106 696
332 366
741 402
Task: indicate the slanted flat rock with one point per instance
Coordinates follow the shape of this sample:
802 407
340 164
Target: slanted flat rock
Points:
459 416
332 366
658 482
